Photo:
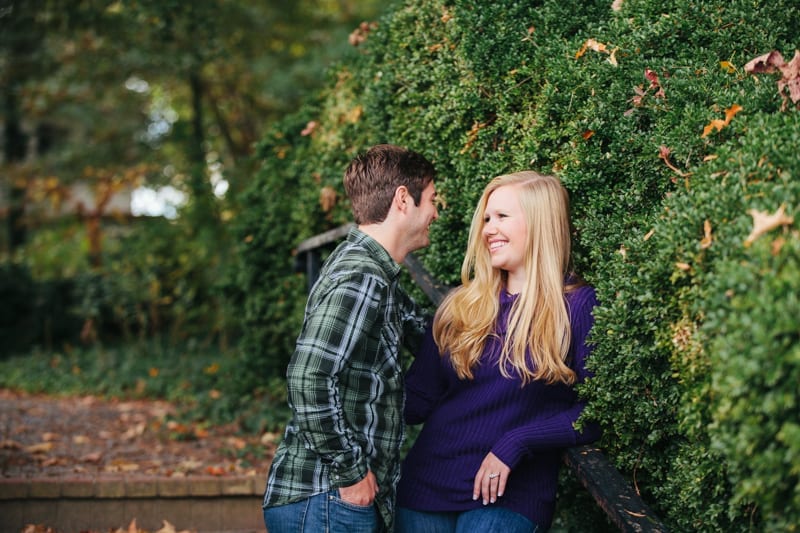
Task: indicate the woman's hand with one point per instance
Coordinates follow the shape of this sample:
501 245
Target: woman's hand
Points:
362 493
490 480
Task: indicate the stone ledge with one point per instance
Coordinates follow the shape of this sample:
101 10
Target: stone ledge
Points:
198 514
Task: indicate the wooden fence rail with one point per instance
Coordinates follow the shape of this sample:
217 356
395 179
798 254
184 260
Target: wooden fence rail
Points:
610 490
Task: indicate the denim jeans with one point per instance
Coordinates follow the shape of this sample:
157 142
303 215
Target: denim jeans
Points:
484 519
321 513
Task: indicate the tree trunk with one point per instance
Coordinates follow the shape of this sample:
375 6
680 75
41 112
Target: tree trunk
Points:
14 151
202 200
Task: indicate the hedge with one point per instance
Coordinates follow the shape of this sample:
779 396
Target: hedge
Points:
671 151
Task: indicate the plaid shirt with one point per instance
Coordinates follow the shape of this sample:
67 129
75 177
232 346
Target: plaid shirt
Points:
345 379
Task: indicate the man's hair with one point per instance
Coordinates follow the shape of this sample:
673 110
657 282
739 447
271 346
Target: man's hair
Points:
372 178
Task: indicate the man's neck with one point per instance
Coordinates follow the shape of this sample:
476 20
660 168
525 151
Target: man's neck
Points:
387 238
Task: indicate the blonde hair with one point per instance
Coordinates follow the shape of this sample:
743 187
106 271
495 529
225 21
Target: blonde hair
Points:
538 320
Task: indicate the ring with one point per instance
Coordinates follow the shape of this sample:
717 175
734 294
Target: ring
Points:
492 476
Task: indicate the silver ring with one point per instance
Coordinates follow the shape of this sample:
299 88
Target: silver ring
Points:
492 476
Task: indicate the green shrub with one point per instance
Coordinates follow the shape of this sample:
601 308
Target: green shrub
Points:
34 312
155 279
696 354
732 338
152 368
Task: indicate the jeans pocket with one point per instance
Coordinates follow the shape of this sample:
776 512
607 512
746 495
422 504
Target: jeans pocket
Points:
346 516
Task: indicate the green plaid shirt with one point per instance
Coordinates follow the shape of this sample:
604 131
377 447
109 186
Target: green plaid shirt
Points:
345 379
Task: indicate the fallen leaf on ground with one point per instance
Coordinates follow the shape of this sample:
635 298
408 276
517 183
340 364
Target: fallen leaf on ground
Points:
134 431
92 457
190 464
215 470
119 465
9 444
42 447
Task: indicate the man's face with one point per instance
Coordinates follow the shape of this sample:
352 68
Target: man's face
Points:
421 217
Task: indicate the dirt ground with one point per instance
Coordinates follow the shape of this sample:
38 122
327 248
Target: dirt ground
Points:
45 436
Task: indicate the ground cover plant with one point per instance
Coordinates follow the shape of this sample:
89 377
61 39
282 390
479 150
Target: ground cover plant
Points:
675 127
196 379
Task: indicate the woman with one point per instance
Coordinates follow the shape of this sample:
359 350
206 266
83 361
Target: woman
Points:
494 381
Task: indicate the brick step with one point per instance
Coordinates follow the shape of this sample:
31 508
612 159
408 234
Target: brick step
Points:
203 504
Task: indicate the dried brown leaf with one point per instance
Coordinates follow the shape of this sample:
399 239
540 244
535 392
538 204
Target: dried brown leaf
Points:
94 457
764 222
327 198
789 83
310 127
767 63
663 154
42 447
707 239
719 124
9 444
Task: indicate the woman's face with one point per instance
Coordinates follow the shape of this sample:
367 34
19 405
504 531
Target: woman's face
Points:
505 232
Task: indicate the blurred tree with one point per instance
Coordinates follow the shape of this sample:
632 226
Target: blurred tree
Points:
116 95
156 91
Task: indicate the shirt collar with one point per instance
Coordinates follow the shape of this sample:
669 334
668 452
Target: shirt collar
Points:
375 250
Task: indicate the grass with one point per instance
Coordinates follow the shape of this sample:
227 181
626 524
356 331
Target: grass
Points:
146 369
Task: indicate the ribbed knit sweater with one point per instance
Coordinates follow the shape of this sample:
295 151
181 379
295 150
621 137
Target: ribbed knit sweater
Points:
526 427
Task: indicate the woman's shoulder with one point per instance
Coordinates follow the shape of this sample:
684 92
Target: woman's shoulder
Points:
582 295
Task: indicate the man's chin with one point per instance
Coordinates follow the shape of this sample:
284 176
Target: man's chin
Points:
421 243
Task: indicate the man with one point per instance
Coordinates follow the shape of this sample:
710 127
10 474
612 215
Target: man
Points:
338 464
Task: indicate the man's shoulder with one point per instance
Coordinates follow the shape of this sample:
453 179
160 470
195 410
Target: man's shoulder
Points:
353 259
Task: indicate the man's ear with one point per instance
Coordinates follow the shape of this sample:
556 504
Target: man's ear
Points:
401 198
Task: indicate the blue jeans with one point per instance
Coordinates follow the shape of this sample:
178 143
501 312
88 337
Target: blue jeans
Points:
484 519
322 512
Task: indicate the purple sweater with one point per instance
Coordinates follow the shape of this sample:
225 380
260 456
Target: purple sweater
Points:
525 427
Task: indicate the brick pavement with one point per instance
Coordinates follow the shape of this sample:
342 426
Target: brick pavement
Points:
202 504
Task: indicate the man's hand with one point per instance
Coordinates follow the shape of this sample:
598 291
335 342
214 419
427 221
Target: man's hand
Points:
362 493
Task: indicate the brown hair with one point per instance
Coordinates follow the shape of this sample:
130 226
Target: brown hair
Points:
372 178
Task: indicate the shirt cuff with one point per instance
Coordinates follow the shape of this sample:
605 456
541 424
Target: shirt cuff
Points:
341 476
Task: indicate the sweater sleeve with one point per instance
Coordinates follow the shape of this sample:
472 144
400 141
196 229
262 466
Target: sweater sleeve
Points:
424 382
558 431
